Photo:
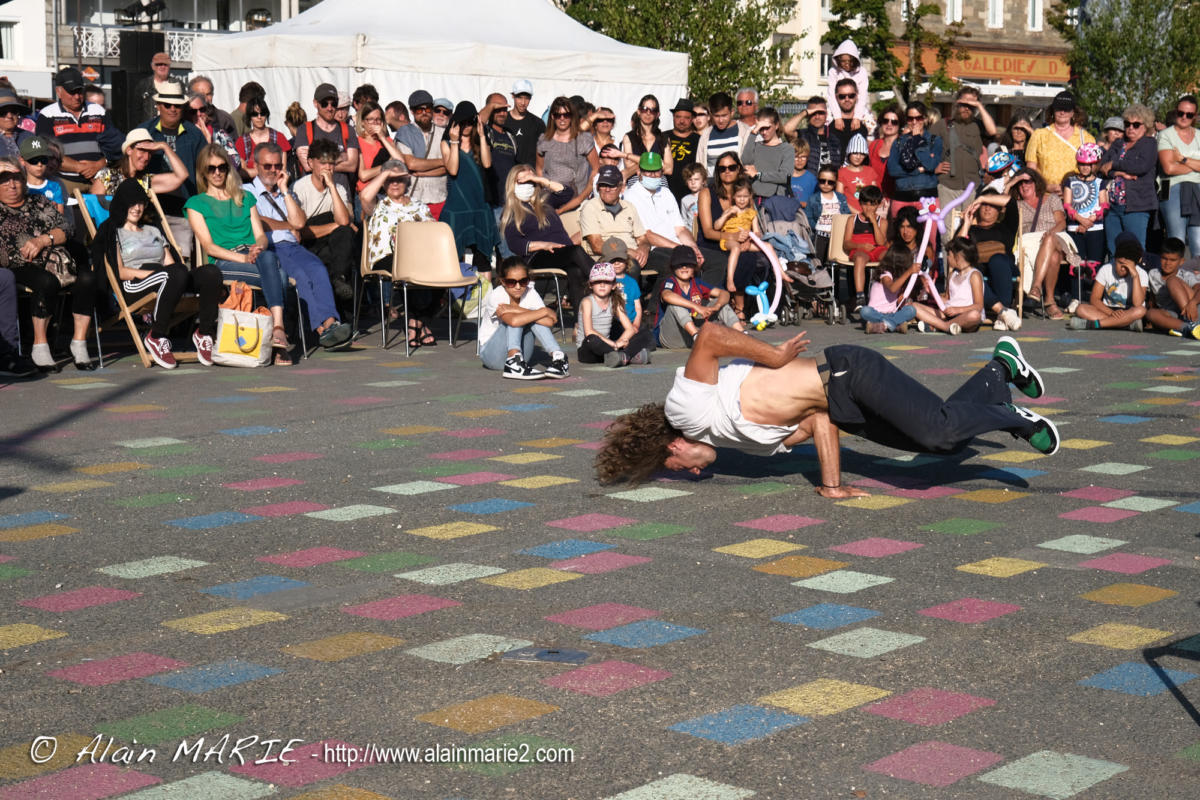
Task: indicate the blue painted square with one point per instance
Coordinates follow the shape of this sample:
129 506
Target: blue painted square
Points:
1070 341
1137 679
566 548
218 520
827 616
229 398
30 518
1146 357
646 633
263 584
214 676
527 407
1125 419
1190 508
493 506
739 724
1011 474
252 430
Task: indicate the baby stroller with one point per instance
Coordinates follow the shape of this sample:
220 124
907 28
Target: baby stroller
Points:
811 294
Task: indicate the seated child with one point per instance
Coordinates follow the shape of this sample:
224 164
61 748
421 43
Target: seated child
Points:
963 309
856 173
695 176
823 205
36 155
685 303
616 253
513 316
1118 297
741 218
803 182
888 310
601 317
1174 293
866 238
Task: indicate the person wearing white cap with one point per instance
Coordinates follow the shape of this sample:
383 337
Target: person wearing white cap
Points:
525 128
856 172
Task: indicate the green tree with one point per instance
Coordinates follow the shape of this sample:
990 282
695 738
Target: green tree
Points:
1146 52
723 38
867 22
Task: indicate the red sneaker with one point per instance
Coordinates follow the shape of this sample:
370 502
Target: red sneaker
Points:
204 348
160 351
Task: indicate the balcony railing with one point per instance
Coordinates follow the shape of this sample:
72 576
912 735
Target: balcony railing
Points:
96 41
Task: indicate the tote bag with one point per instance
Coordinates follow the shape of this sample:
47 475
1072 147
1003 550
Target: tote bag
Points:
243 338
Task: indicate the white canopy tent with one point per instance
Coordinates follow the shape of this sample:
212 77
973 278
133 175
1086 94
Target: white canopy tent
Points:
457 49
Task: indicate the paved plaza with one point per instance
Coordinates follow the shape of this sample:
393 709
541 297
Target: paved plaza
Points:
368 551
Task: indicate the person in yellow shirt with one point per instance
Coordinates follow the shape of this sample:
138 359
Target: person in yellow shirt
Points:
1051 150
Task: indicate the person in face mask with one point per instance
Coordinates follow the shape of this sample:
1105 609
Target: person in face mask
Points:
659 213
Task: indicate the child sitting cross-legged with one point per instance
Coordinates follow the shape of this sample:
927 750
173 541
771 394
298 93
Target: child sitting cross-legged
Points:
1118 297
685 303
964 293
887 310
1174 293
601 317
513 317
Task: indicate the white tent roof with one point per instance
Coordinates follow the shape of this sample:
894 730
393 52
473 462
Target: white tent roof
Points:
458 49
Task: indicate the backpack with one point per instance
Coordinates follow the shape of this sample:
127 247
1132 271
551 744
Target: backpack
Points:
308 129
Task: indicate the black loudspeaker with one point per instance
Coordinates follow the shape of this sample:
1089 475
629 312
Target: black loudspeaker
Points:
126 108
138 47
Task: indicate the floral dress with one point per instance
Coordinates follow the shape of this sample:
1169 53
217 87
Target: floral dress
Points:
381 230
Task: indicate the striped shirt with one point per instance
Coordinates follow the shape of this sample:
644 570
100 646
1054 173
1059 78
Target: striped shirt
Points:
84 138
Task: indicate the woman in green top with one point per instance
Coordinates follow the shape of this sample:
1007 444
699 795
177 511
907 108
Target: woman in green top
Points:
227 226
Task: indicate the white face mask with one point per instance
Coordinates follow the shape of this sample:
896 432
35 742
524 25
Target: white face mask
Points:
524 191
652 184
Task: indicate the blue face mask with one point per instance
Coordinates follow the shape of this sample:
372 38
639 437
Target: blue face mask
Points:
652 184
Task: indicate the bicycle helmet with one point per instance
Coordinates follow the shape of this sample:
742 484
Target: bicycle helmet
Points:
1088 153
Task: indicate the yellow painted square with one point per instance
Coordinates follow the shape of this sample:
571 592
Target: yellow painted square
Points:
487 713
115 466
479 413
991 496
903 347
1081 352
532 578
875 502
397 364
15 762
1082 444
1128 594
1170 439
538 482
1001 567
76 381
553 441
1119 636
524 458
134 409
1050 412
1175 378
21 634
453 530
71 486
800 566
1164 401
823 697
227 619
758 548
268 389
412 430
30 532
1013 456
343 646
1032 339
536 389
340 791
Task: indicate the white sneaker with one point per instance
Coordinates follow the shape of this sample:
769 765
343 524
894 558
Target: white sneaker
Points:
955 329
1011 320
516 368
999 325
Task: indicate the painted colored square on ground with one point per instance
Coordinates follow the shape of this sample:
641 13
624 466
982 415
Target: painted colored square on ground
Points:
445 574
823 697
252 587
210 786
959 526
934 763
644 633
779 523
1001 567
1051 774
647 531
21 634
591 522
465 649
1138 679
800 566
1098 514
827 616
1128 594
487 713
606 678
149 567
84 782
928 706
740 724
1119 636
875 547
1082 544
969 610
597 563
866 642
453 530
78 599
602 616
169 724
228 619
758 548
843 581
114 670
532 578
1126 563
682 786
208 677
341 646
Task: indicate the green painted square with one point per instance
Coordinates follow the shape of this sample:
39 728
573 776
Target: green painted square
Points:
1126 385
151 500
167 450
961 526
457 398
525 746
169 724
765 487
383 444
387 562
10 571
183 471
1192 752
442 470
648 530
1175 454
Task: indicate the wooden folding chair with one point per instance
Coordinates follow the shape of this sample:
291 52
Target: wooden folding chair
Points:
838 257
424 254
125 312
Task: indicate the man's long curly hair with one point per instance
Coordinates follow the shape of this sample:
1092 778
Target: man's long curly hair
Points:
635 446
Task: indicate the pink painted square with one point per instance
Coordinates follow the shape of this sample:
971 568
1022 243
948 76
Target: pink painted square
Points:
1098 514
311 557
892 482
928 706
601 425
1044 400
969 609
7 558
476 478
361 401
464 455
1126 563
934 763
287 458
115 670
85 782
932 493
595 563
471 433
76 599
1097 494
406 605
258 484
876 547
779 523
310 765
602 617
284 509
313 371
1127 347
927 351
1103 355
605 678
591 522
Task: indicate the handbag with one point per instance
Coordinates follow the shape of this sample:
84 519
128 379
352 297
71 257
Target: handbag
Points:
243 338
241 297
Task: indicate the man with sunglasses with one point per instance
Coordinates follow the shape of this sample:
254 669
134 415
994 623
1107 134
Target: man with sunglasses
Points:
184 138
525 128
965 136
147 87
86 132
12 110
326 126
747 105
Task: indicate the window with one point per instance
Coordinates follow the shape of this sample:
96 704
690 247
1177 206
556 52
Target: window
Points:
826 60
8 41
995 14
825 12
953 11
782 44
1035 15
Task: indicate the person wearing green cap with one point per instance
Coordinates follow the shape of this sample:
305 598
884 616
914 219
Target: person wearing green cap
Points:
656 207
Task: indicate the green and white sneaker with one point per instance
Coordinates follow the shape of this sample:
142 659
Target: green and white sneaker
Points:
1020 372
1045 438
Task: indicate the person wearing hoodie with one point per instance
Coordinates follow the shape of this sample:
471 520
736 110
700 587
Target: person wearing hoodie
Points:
848 64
